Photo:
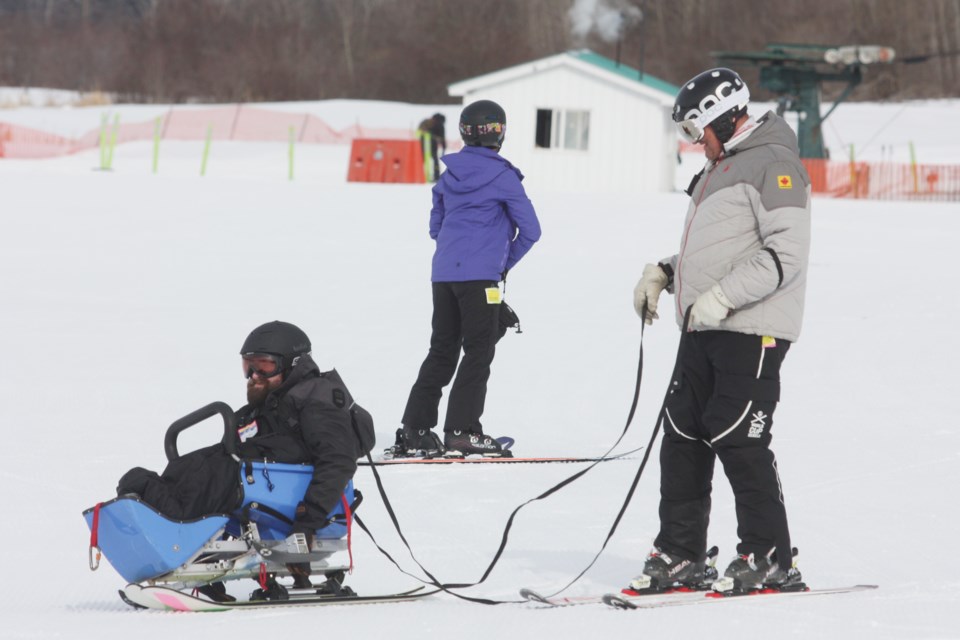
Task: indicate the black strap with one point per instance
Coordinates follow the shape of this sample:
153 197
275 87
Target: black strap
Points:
448 587
776 261
667 269
270 511
693 183
646 454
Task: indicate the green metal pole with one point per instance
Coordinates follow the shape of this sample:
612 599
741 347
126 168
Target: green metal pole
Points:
292 136
104 121
156 142
113 141
206 151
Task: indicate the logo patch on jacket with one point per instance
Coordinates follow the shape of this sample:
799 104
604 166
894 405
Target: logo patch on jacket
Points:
784 182
247 431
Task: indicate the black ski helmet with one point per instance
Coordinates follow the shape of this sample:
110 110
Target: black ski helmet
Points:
483 124
716 97
282 339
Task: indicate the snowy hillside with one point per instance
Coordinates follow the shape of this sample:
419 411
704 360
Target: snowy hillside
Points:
126 296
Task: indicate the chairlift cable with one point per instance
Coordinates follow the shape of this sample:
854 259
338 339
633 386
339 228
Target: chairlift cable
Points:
886 124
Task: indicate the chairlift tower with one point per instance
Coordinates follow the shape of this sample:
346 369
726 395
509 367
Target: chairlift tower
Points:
795 72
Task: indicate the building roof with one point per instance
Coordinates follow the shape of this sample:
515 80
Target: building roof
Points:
585 60
627 72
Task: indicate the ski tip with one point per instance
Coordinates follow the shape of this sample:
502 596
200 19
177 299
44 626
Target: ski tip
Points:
617 602
532 596
128 601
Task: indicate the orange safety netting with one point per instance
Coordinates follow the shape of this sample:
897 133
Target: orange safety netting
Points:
884 180
240 122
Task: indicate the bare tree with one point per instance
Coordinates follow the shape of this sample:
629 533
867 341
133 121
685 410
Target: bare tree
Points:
227 50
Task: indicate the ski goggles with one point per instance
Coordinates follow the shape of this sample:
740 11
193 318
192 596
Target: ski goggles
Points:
265 365
690 130
482 129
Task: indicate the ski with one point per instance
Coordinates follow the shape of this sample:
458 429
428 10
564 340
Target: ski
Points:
620 601
166 599
386 462
568 601
629 594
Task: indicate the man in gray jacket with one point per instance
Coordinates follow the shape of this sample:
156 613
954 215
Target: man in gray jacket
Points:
738 283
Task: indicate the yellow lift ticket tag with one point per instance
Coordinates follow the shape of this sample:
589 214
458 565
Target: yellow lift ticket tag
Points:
493 295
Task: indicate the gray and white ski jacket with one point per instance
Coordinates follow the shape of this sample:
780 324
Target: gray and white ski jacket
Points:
748 229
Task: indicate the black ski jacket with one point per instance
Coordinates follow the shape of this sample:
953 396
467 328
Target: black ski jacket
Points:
307 420
310 419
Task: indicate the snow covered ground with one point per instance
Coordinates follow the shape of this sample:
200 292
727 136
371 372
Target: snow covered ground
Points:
125 298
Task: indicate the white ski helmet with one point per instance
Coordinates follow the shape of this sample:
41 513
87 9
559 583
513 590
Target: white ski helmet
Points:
715 97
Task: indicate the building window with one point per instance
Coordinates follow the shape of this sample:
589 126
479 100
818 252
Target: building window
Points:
563 129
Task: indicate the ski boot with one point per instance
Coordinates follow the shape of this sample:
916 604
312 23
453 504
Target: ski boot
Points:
749 574
270 589
333 586
415 443
663 573
465 443
216 591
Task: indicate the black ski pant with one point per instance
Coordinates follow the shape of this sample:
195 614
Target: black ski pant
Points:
462 318
196 484
720 405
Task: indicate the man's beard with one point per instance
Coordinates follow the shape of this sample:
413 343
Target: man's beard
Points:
257 392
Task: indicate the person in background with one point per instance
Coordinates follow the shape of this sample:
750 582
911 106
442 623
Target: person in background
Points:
433 142
742 272
483 223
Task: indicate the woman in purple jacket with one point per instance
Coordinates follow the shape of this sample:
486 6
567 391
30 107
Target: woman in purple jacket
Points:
484 224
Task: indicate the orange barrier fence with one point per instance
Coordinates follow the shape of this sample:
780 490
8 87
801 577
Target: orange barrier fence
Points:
386 161
884 180
23 142
237 122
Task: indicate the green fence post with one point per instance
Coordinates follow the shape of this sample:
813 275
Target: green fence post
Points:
104 121
206 151
113 141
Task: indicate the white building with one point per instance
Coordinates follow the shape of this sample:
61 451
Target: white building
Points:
579 121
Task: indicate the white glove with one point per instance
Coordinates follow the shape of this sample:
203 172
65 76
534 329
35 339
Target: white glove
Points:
648 290
710 308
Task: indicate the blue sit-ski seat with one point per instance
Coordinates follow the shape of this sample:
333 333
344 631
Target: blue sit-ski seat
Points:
141 543
271 493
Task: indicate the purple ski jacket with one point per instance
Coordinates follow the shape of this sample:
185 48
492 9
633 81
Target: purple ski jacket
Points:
482 220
